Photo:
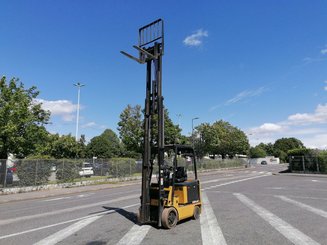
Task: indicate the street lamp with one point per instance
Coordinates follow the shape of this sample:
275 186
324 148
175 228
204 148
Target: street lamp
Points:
195 118
78 85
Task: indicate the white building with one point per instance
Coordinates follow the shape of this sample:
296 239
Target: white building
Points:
268 159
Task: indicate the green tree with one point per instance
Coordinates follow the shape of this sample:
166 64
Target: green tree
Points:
269 148
130 129
257 152
22 119
64 146
56 146
106 145
172 131
283 145
221 138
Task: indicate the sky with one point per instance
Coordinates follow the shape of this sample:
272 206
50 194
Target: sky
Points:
260 65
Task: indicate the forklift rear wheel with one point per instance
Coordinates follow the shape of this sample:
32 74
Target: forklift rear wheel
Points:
169 218
196 212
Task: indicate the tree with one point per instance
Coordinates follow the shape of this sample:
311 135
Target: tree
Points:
257 152
130 129
106 145
283 145
268 148
221 138
64 146
60 146
286 144
22 119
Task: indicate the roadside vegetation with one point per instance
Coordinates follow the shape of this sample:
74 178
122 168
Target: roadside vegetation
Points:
23 133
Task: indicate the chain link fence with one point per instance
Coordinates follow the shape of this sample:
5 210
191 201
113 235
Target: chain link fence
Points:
308 164
40 171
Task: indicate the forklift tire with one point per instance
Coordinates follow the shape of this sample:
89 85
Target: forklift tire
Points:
196 212
169 218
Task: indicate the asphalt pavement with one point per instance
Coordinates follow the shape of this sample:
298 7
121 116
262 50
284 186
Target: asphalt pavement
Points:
244 206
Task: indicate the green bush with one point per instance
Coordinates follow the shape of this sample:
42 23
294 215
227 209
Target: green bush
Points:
322 159
33 172
122 167
311 159
67 170
219 163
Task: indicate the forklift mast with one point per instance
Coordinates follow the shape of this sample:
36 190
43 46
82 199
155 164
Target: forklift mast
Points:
151 50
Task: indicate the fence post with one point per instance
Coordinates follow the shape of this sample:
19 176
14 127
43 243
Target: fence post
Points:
116 170
130 168
36 164
303 164
62 170
317 164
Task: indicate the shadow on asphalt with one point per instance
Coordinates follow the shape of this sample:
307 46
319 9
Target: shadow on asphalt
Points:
96 243
285 171
128 215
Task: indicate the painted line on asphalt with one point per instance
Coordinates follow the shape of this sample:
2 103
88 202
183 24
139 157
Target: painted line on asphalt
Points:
62 234
135 235
210 230
317 211
236 181
228 178
56 199
288 231
64 222
40 215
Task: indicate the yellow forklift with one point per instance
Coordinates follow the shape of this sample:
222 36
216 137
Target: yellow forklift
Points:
168 194
180 198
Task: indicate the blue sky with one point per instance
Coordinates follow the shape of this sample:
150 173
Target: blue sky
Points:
261 65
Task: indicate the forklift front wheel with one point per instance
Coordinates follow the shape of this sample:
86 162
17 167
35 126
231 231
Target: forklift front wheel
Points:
196 212
169 218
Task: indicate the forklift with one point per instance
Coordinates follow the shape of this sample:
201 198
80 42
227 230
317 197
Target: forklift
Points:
169 192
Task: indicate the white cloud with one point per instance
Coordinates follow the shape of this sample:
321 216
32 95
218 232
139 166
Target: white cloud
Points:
267 128
62 108
318 141
319 116
309 60
94 125
245 94
324 51
89 125
299 125
196 38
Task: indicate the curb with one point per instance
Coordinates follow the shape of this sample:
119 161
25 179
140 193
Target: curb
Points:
18 190
302 175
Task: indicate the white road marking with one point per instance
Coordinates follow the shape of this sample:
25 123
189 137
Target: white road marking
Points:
40 215
314 180
210 229
233 182
135 235
222 179
317 211
276 188
288 231
64 222
56 199
86 195
62 234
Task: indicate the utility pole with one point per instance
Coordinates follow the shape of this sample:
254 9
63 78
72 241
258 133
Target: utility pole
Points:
78 85
195 118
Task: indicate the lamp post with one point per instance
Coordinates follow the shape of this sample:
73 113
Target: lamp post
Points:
195 118
78 85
